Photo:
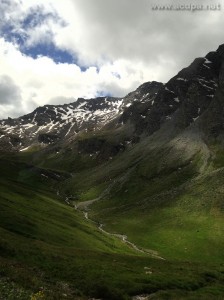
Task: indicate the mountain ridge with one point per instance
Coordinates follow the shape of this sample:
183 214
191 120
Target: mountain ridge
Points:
181 101
59 121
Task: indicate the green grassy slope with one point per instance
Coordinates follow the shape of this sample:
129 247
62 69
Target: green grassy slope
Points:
157 198
171 209
42 232
161 205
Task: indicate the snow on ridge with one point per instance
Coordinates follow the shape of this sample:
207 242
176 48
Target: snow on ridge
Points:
27 126
51 125
56 111
166 88
206 66
24 149
70 129
208 82
67 119
82 104
34 117
207 61
206 86
194 119
181 79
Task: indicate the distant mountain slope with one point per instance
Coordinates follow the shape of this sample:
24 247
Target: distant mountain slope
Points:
51 123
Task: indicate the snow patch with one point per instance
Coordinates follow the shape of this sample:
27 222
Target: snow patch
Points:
128 105
24 149
44 175
166 88
207 61
181 79
206 66
194 119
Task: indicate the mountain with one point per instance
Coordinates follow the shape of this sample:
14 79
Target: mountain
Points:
49 124
182 101
118 198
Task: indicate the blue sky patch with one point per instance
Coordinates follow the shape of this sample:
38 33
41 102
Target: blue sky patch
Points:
34 19
38 16
51 51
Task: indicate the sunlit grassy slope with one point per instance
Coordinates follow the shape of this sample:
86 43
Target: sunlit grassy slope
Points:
175 210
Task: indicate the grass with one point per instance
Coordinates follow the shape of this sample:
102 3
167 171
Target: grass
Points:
170 211
48 247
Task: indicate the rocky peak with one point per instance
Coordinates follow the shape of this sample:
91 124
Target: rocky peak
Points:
52 123
184 98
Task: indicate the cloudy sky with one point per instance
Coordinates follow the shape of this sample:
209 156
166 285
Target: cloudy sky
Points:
54 51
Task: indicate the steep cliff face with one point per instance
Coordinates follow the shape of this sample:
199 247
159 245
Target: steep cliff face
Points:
186 97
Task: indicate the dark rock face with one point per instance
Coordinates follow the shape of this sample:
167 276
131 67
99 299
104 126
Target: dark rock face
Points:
91 145
142 100
47 138
188 94
181 100
100 148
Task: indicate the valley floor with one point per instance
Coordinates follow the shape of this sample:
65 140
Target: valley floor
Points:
49 250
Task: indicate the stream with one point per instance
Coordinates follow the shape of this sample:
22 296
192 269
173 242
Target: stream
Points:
83 206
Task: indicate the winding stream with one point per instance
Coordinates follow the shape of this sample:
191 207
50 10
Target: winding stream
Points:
83 206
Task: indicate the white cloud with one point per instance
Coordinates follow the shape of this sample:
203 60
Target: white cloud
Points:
42 81
121 43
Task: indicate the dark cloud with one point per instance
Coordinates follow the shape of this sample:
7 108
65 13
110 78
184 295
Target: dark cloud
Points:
132 30
10 98
9 92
